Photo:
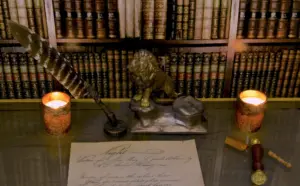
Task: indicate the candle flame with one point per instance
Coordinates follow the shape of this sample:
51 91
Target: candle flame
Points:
55 104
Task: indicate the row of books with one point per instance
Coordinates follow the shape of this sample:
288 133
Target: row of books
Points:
29 13
197 74
269 19
147 19
276 73
21 77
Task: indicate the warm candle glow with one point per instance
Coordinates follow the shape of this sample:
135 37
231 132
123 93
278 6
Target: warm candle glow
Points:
56 104
253 100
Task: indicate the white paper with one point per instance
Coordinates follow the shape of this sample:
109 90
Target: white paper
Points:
135 163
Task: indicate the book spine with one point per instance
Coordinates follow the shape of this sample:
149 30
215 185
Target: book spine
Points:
3 92
171 23
117 72
215 20
253 70
288 72
130 87
82 70
41 79
49 81
2 25
33 77
270 73
262 87
221 75
241 22
148 19
99 79
24 75
205 75
213 75
223 19
295 70
275 75
167 65
111 78
235 75
160 19
22 13
105 74
87 69
199 19
113 17
44 21
137 18
262 21
101 19
74 58
197 70
252 22
57 15
30 14
16 75
283 23
207 19
242 73
297 86
259 70
294 22
6 17
13 11
78 20
283 64
92 67
174 69
189 74
179 19
88 8
248 70
124 74
130 11
69 22
8 76
181 74
185 19
273 19
38 17
191 24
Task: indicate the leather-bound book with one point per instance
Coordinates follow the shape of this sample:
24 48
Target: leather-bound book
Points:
205 75
185 19
181 73
111 78
160 19
92 67
241 21
253 70
207 19
86 63
283 23
33 77
189 73
288 73
221 75
297 83
57 15
89 8
78 19
283 65
294 71
223 19
41 79
171 19
6 17
8 76
252 22
79 58
117 73
14 62
263 77
274 8
44 21
122 17
101 19
38 17
105 80
148 20
191 24
262 21
295 19
199 19
197 70
259 70
213 74
137 18
2 25
215 20
113 18
270 73
13 11
3 92
179 19
248 70
69 22
24 75
124 74
130 86
30 14
22 12
242 73
276 74
129 27
98 74
174 69
235 75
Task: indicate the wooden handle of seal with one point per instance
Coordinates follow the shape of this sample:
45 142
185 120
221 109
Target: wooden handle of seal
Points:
257 155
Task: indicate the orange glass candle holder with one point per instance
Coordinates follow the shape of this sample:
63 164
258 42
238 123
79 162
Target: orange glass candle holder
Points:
250 110
56 111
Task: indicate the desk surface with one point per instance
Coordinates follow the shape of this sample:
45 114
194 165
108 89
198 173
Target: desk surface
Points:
31 157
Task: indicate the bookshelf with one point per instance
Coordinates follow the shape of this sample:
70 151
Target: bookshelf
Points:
213 45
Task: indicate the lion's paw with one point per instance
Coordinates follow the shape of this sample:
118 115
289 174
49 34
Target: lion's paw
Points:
145 103
137 97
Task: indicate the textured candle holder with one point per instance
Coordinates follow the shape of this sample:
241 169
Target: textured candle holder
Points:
57 120
249 116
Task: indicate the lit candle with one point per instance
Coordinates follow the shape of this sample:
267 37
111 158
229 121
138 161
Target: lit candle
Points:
250 110
57 114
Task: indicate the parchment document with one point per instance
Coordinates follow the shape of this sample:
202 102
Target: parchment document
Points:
135 163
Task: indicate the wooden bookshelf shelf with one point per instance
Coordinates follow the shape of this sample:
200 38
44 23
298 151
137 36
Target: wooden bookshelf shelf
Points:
11 41
266 41
144 42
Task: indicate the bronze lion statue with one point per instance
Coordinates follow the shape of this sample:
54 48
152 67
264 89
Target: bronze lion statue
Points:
147 76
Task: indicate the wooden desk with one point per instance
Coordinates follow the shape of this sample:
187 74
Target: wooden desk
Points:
31 157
